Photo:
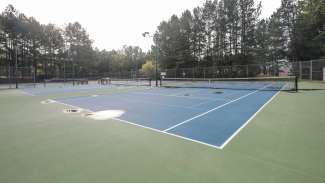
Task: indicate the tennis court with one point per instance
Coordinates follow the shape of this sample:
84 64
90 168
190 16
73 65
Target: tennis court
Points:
181 128
209 115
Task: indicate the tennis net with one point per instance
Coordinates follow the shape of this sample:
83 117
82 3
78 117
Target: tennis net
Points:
64 82
130 82
289 83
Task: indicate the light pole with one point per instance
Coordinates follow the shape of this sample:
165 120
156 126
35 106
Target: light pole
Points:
145 34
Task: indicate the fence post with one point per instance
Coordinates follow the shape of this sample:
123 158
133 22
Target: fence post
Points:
9 76
204 72
193 72
311 70
300 70
16 66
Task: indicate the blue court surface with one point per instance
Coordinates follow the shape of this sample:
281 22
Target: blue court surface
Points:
207 116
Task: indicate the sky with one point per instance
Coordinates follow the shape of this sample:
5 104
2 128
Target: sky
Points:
113 23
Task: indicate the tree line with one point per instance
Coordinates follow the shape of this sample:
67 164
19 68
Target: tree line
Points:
48 51
231 32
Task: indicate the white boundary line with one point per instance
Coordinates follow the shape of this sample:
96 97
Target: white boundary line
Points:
216 108
248 121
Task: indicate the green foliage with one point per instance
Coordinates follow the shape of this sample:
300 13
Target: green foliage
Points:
49 50
229 32
148 68
310 30
262 49
218 33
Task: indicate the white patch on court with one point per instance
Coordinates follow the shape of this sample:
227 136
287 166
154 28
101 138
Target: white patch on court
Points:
105 115
48 101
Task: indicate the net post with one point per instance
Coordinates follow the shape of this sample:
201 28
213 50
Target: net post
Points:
16 82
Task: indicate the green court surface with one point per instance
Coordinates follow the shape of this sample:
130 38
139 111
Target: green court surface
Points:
41 144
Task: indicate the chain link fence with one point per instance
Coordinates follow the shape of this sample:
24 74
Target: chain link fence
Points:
239 71
309 70
12 77
22 77
305 70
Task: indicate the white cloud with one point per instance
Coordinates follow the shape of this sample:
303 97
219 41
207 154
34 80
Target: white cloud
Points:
112 24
